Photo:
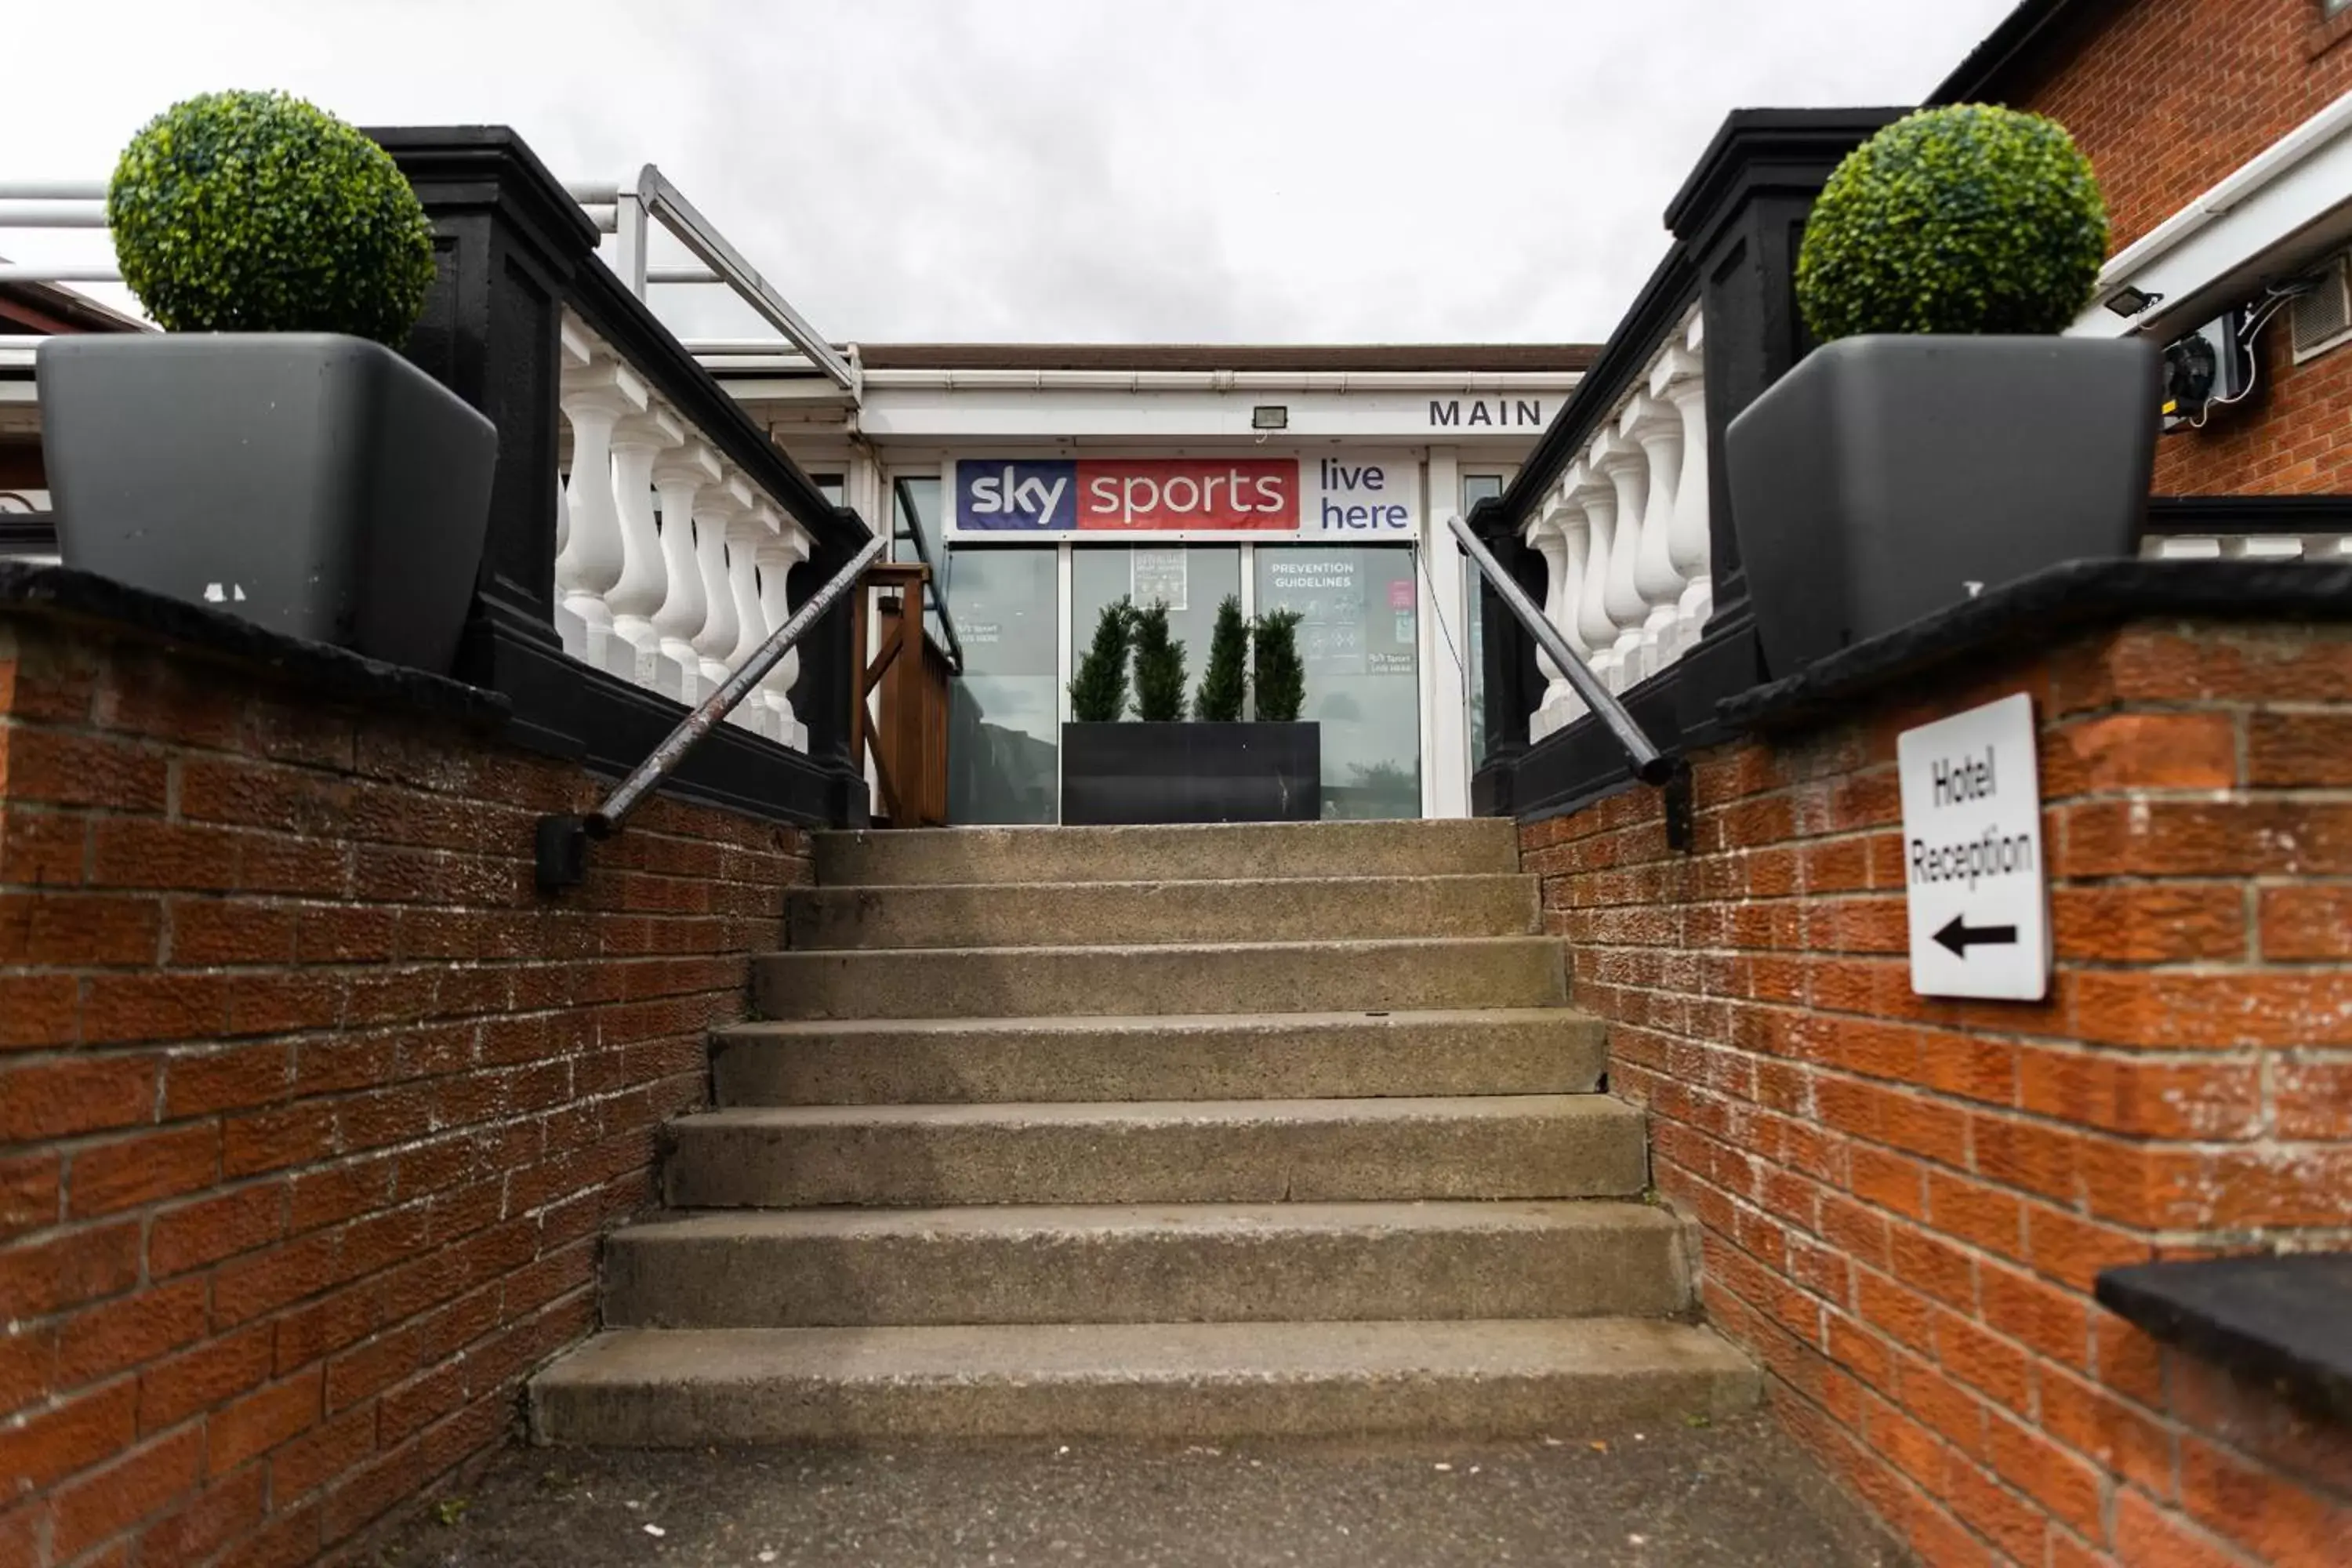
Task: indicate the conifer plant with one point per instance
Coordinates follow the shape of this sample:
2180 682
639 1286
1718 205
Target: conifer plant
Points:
1281 674
1098 692
1225 685
1159 668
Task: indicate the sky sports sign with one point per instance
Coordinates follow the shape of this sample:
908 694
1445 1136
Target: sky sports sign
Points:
1355 496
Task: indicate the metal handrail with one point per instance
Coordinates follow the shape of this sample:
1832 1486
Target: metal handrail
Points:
82 203
659 199
934 586
1649 765
562 848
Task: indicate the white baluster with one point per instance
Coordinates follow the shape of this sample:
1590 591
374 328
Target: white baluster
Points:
577 352
1561 535
1576 537
1680 379
1542 536
635 653
1652 424
593 400
1597 499
1627 469
745 535
679 476
777 558
716 508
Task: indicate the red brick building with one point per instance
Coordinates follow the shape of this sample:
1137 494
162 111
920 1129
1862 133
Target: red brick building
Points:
2219 130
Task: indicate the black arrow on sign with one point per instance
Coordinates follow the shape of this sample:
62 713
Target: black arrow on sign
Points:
1959 936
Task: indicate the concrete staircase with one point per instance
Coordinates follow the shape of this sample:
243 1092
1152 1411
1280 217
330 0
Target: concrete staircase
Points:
1151 1133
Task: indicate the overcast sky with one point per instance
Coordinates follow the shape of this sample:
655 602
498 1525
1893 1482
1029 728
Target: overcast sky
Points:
1245 170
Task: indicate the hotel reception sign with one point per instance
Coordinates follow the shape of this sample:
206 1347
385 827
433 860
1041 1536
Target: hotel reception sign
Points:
1354 497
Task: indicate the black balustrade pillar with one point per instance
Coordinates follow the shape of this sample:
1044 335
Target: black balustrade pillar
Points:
509 240
827 687
1741 216
1514 682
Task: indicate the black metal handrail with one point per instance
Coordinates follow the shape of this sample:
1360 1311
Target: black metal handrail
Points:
562 848
1645 760
934 585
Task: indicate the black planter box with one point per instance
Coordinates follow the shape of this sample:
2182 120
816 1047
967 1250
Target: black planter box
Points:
1128 774
1884 479
318 485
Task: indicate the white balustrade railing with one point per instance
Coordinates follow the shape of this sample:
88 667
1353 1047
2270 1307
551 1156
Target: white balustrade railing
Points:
1624 533
670 563
2326 549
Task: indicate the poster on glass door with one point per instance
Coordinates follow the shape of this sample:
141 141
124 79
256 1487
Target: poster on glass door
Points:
1159 577
1327 589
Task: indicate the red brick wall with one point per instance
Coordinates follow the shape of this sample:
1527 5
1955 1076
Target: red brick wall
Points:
311 1108
1904 1202
2167 97
2296 439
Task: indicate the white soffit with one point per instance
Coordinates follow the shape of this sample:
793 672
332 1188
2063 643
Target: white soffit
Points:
2286 207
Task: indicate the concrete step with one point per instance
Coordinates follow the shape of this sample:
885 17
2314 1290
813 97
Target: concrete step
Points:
1246 978
1049 914
1302 1151
1260 849
689 1388
1277 1056
1197 1263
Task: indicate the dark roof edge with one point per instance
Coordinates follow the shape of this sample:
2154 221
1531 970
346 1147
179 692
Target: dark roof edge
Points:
72 310
2016 45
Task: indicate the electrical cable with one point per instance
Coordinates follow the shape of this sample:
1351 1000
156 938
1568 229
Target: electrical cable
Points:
2280 296
1429 579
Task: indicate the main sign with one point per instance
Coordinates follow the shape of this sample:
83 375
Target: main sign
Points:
1975 877
1353 497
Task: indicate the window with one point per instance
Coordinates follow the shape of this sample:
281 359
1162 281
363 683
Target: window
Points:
1359 637
915 536
1004 719
1477 488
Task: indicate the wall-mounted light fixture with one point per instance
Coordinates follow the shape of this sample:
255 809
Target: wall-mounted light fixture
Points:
1270 416
2128 301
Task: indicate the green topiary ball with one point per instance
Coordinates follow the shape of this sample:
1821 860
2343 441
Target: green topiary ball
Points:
1966 219
255 212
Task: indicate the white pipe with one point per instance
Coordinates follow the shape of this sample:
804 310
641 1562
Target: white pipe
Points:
52 190
52 214
776 355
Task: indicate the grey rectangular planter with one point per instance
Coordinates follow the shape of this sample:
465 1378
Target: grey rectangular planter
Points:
1139 772
1884 479
318 485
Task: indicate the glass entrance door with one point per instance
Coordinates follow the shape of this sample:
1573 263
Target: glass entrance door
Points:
1026 614
1359 635
1004 711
